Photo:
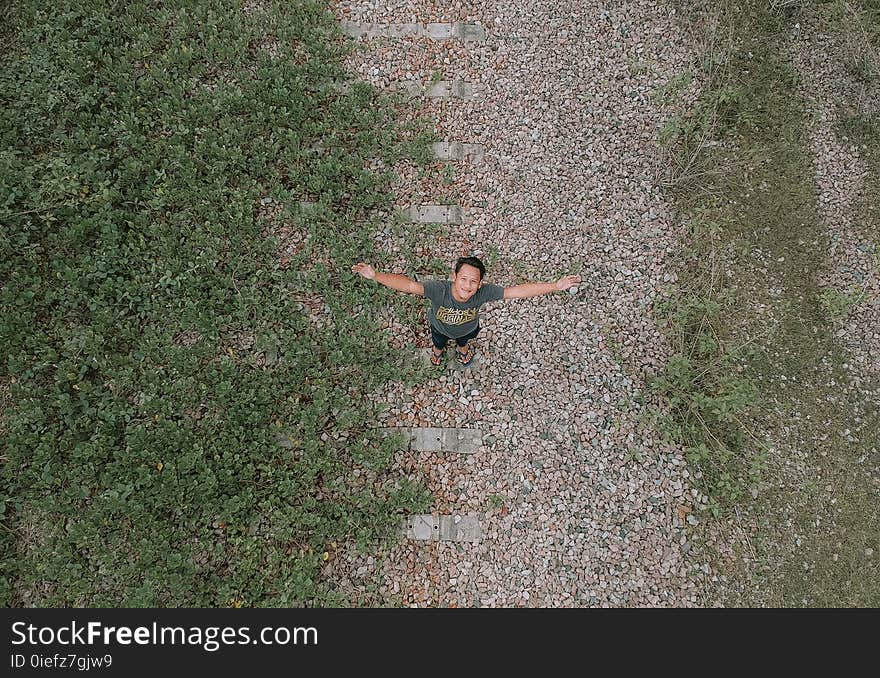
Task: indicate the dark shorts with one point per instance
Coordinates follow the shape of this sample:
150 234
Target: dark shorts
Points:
440 340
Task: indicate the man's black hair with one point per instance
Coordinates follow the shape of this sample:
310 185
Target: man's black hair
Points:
471 261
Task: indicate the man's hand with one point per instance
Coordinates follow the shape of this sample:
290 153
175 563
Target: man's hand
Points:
568 281
365 270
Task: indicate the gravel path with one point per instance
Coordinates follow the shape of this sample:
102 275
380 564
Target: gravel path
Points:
840 172
594 507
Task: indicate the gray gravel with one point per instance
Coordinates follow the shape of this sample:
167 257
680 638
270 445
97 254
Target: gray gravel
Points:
595 508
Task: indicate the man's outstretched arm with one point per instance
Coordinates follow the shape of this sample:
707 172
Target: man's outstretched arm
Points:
528 290
396 282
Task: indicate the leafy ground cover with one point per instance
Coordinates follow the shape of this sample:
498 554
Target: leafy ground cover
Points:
184 187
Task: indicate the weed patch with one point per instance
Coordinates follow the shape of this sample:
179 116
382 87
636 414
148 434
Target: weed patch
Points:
758 388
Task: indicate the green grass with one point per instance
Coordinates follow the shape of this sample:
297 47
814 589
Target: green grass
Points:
155 344
759 395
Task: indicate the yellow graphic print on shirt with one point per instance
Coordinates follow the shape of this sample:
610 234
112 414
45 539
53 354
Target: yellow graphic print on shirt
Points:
454 316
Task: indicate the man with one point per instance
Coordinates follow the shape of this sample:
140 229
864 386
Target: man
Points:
455 304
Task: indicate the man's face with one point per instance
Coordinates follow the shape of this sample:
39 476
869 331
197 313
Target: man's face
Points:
466 282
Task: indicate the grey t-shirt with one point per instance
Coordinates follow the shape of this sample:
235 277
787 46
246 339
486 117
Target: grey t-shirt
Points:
453 318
